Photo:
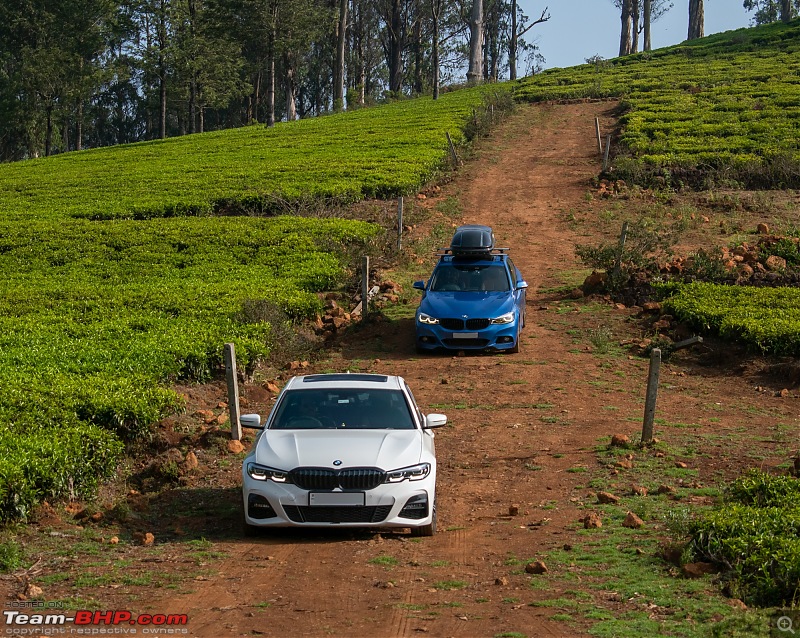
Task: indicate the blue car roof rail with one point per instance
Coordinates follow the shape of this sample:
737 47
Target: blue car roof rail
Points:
483 254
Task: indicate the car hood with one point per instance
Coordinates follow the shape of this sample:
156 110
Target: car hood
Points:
386 449
477 305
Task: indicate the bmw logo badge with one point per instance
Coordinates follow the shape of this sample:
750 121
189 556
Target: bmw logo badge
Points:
337 462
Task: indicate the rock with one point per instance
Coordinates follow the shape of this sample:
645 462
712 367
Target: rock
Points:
775 263
173 455
639 490
144 538
537 567
737 604
746 271
594 282
624 464
665 489
607 498
620 440
114 540
762 229
783 393
190 461
592 521
681 465
33 591
96 517
698 570
502 580
270 386
651 306
513 510
235 447
632 521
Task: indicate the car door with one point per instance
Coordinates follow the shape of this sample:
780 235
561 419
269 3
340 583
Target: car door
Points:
519 293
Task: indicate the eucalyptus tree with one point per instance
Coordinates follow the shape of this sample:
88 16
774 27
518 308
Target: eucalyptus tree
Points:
767 11
696 20
637 17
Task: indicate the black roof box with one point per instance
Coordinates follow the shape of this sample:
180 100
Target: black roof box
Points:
472 239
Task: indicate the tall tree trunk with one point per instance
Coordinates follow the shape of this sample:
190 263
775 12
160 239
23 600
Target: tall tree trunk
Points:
417 39
291 107
271 69
786 10
79 127
635 17
647 13
338 72
513 43
436 10
625 31
396 49
475 72
162 70
696 20
192 72
48 138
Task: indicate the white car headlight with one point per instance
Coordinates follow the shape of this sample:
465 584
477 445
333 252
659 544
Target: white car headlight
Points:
423 318
413 473
506 318
263 473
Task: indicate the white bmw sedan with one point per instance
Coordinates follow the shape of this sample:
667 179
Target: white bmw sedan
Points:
342 450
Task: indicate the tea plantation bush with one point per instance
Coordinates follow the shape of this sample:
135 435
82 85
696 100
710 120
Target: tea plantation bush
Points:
767 319
372 152
755 538
722 109
98 318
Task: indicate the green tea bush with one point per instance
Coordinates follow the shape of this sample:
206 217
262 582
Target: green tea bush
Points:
768 319
755 538
721 110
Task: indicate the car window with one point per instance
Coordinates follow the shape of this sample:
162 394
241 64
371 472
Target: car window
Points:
341 409
470 278
512 271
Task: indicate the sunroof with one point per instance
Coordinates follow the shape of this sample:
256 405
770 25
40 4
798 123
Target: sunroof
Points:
373 378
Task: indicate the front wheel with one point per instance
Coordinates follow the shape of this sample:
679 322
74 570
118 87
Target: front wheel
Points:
429 529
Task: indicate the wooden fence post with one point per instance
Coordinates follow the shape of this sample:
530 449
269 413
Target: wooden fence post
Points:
652 395
232 380
364 286
599 141
400 223
621 248
605 155
453 156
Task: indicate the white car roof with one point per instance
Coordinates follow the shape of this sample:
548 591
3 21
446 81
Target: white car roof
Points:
345 380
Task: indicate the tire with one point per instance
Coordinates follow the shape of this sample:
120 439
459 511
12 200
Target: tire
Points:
249 531
429 529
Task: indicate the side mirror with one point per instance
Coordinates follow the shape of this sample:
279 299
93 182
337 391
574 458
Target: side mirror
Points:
521 285
435 421
252 421
419 285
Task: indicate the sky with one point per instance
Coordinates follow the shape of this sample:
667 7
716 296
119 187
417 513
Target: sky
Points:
580 29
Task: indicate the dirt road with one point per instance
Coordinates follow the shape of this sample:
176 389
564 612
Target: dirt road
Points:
467 580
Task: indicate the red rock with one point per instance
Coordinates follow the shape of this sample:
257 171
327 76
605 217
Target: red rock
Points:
235 447
607 498
762 229
537 567
620 440
591 521
632 521
698 570
775 263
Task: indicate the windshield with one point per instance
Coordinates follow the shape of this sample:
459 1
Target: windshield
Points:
343 409
449 277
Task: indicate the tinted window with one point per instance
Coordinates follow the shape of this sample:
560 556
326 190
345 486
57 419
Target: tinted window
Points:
334 409
452 277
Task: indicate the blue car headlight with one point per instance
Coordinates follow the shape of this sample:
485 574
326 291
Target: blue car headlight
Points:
431 321
506 318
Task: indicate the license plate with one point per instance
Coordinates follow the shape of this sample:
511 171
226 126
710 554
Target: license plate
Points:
351 499
465 335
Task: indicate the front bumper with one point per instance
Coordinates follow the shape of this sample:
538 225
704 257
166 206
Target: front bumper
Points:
493 337
405 504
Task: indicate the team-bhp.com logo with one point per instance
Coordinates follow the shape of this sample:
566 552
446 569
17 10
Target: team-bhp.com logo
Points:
95 623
